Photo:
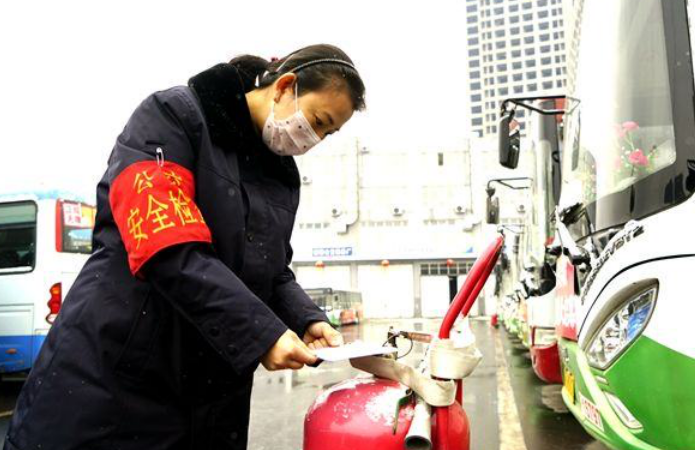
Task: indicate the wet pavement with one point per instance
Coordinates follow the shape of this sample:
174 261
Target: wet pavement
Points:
508 406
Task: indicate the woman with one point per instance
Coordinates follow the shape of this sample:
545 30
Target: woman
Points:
189 286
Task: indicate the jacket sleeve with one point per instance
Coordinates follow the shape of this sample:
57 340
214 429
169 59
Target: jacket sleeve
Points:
153 203
291 302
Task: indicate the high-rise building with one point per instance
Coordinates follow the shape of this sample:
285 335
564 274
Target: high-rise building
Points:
515 48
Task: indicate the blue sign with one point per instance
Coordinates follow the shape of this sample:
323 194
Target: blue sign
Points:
329 252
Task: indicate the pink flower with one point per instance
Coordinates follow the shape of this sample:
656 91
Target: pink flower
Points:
620 131
630 126
638 158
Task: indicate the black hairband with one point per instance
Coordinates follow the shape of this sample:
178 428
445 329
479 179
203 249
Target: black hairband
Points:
321 61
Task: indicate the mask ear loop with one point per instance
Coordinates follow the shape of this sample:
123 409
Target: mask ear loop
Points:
296 95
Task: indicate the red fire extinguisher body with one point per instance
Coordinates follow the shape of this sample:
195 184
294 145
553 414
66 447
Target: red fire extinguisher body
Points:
359 414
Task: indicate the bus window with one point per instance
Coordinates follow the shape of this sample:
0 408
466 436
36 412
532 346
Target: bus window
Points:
17 236
75 224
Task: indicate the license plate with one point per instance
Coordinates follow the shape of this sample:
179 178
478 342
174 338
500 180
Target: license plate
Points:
569 385
590 412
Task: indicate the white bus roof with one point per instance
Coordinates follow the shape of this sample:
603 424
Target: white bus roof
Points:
54 194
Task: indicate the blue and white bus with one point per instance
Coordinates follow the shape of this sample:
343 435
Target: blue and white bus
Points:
45 239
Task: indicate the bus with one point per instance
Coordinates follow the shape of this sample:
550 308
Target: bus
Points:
45 239
624 223
341 307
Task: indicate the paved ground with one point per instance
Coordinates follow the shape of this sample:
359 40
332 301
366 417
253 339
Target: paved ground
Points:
508 407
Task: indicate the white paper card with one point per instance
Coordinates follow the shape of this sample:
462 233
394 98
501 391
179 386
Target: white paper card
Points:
355 349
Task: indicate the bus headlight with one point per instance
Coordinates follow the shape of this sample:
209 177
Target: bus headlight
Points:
621 329
544 337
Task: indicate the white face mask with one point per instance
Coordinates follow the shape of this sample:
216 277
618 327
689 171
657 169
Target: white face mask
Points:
292 136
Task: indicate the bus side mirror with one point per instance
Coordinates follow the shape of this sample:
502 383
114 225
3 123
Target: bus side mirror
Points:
508 144
493 207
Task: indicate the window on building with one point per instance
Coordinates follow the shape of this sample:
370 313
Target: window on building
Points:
513 8
531 75
533 87
544 37
530 63
500 44
476 86
501 67
500 33
475 75
472 30
529 40
547 85
516 42
545 49
530 51
542 3
478 121
517 77
502 79
473 52
472 8
547 73
528 28
498 11
477 109
528 17
546 61
474 63
514 19
544 26
516 65
503 91
518 89
514 31
501 56
543 14
493 129
527 5
499 22
520 113
472 19
516 53
473 41
476 98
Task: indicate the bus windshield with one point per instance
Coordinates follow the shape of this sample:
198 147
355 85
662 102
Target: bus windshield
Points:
17 236
620 126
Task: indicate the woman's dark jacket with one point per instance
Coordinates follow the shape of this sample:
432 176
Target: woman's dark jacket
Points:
189 285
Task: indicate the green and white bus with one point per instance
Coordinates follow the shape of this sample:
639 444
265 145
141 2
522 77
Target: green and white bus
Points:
625 223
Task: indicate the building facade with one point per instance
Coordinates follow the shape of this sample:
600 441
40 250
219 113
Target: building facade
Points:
515 48
401 226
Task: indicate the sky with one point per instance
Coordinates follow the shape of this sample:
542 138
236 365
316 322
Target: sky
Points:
72 72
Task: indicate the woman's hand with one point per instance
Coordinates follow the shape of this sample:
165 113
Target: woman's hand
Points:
322 334
289 352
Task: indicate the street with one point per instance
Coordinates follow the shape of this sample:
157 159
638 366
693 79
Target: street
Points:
533 417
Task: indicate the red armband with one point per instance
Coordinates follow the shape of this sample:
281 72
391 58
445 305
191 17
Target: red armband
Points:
154 208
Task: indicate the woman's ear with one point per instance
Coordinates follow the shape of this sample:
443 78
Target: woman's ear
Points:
284 85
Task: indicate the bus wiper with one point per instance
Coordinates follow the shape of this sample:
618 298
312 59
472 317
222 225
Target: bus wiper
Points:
577 255
571 213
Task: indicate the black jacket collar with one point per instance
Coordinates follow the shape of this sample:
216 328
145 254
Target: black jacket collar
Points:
221 91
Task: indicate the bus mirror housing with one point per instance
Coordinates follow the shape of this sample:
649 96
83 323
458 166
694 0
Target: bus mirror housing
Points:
493 207
508 143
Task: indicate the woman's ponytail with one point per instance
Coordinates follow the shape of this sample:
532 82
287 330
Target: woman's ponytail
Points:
251 68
